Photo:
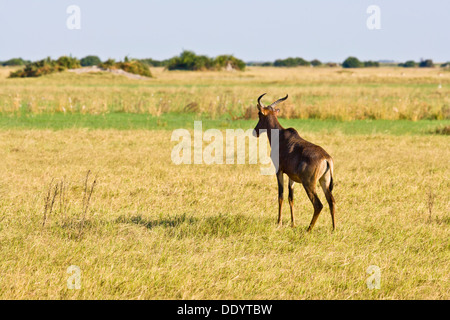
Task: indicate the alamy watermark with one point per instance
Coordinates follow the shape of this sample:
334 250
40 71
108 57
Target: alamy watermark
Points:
74 281
373 22
189 150
73 21
374 281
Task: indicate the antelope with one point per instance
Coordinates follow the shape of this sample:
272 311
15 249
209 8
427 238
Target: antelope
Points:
302 161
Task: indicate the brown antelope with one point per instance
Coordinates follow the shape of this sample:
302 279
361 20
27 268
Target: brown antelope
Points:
302 161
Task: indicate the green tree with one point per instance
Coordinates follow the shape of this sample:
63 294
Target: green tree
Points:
90 61
352 62
68 62
408 64
426 63
224 60
15 62
371 63
291 62
108 64
316 63
188 60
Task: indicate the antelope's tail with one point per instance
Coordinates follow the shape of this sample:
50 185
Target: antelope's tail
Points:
330 167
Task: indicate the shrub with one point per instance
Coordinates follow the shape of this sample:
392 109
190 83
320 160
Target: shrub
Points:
131 66
68 62
371 64
37 69
316 63
46 66
154 63
352 62
408 64
260 63
291 62
136 67
15 62
426 63
228 60
90 61
188 60
108 64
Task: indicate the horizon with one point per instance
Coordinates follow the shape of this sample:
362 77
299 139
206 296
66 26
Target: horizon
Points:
408 30
385 61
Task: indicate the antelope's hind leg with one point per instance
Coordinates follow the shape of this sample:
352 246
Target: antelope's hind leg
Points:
325 183
312 194
291 201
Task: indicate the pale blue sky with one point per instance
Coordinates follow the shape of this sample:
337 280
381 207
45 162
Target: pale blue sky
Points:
263 30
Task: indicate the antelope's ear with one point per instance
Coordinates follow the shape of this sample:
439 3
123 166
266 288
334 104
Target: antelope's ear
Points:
277 111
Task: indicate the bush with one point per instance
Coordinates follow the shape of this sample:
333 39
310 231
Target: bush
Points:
154 63
352 62
445 65
108 64
90 61
15 62
227 60
316 63
426 63
408 64
259 63
188 60
136 67
291 62
47 66
371 64
131 66
68 62
38 68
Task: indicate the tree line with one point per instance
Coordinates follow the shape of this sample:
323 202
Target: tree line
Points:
350 62
187 60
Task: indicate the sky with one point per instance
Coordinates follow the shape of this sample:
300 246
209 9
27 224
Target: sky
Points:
262 30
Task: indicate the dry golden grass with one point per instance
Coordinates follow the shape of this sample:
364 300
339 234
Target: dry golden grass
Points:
155 230
322 93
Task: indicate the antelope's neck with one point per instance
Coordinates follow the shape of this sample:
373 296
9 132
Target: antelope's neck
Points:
275 125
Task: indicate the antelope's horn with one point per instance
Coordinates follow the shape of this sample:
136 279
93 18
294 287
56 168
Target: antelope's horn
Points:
277 102
260 104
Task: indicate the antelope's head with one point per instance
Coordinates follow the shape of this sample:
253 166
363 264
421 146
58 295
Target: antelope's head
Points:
267 116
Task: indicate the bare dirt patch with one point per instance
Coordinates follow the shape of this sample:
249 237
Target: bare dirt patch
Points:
114 71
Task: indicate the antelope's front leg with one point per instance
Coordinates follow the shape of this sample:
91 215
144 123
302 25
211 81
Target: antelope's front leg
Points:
280 195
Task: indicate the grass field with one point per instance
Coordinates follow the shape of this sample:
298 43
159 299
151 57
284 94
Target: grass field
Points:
315 93
156 230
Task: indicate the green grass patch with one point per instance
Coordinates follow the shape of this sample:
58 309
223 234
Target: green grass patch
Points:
171 121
